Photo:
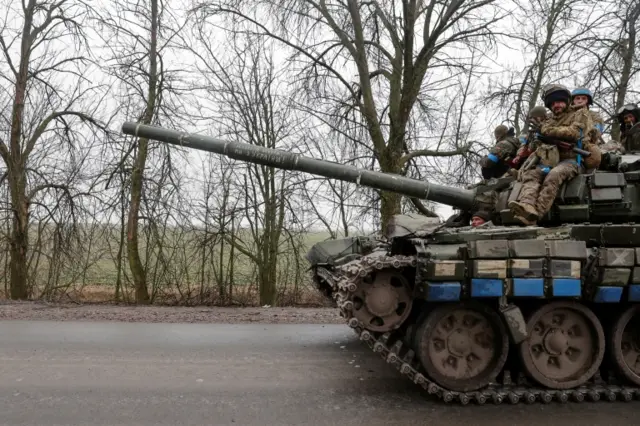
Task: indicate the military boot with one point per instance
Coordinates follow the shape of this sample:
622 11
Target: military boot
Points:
525 221
524 210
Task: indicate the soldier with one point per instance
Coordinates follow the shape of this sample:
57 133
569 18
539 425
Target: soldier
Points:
536 117
541 183
629 117
496 163
583 97
480 218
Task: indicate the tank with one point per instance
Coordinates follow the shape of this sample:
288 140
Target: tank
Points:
493 314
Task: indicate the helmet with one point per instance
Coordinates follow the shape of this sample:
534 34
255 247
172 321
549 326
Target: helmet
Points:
538 112
555 92
628 108
500 131
583 91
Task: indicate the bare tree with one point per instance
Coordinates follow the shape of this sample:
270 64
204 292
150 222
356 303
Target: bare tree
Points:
400 55
548 33
251 102
42 44
138 35
616 57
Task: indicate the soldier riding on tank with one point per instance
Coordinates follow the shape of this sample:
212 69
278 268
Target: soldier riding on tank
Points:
629 119
552 165
583 98
535 118
496 162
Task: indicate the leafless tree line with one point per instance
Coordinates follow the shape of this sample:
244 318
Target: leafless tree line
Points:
411 87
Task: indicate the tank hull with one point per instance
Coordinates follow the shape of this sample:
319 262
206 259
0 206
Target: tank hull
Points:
497 315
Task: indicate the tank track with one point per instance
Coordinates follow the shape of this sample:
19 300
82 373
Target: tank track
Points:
394 349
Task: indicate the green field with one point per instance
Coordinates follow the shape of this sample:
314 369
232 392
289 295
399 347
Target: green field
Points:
181 267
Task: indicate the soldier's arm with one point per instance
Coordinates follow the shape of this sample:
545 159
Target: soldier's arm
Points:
598 122
580 127
501 151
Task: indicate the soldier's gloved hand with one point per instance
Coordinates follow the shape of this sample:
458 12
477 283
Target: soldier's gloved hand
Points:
534 124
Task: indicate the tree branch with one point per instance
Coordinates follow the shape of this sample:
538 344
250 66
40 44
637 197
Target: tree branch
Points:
433 153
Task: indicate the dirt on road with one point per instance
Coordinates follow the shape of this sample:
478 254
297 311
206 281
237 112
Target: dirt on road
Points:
10 310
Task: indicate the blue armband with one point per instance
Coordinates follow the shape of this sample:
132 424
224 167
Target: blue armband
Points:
579 145
545 169
600 127
494 158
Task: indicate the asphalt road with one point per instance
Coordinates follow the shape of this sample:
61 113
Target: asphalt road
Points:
89 373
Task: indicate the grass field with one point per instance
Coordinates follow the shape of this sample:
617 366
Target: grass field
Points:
85 270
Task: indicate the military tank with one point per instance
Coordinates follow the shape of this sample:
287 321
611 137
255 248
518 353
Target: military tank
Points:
492 314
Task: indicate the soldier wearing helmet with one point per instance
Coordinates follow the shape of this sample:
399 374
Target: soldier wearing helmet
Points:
583 98
629 119
541 181
537 115
496 162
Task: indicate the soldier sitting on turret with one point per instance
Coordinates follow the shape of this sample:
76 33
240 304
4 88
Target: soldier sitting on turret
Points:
496 163
629 119
555 165
535 118
583 98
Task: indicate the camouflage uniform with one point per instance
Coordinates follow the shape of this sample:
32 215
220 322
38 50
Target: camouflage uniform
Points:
598 123
496 163
630 136
596 118
541 184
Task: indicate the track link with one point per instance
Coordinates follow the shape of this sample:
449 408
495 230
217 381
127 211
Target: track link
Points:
391 347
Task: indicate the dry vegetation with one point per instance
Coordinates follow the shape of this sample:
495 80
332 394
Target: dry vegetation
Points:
412 87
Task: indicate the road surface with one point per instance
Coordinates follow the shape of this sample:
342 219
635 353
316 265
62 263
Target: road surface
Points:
111 373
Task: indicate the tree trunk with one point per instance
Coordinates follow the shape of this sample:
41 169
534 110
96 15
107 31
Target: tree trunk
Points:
135 263
137 176
19 237
390 202
16 170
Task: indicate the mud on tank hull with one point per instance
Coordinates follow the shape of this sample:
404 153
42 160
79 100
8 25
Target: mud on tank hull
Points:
495 314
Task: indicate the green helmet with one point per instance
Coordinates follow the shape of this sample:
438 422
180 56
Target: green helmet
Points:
555 92
500 131
538 112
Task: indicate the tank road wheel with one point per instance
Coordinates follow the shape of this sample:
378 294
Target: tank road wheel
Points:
565 345
462 346
383 301
625 344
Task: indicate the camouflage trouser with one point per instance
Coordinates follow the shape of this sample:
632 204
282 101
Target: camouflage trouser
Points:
542 197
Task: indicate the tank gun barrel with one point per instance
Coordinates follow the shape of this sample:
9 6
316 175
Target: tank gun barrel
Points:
451 196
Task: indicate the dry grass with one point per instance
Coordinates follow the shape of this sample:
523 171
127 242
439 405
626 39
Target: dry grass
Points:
244 296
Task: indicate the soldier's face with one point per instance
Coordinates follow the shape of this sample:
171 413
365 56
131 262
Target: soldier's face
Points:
477 221
580 100
629 119
558 106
